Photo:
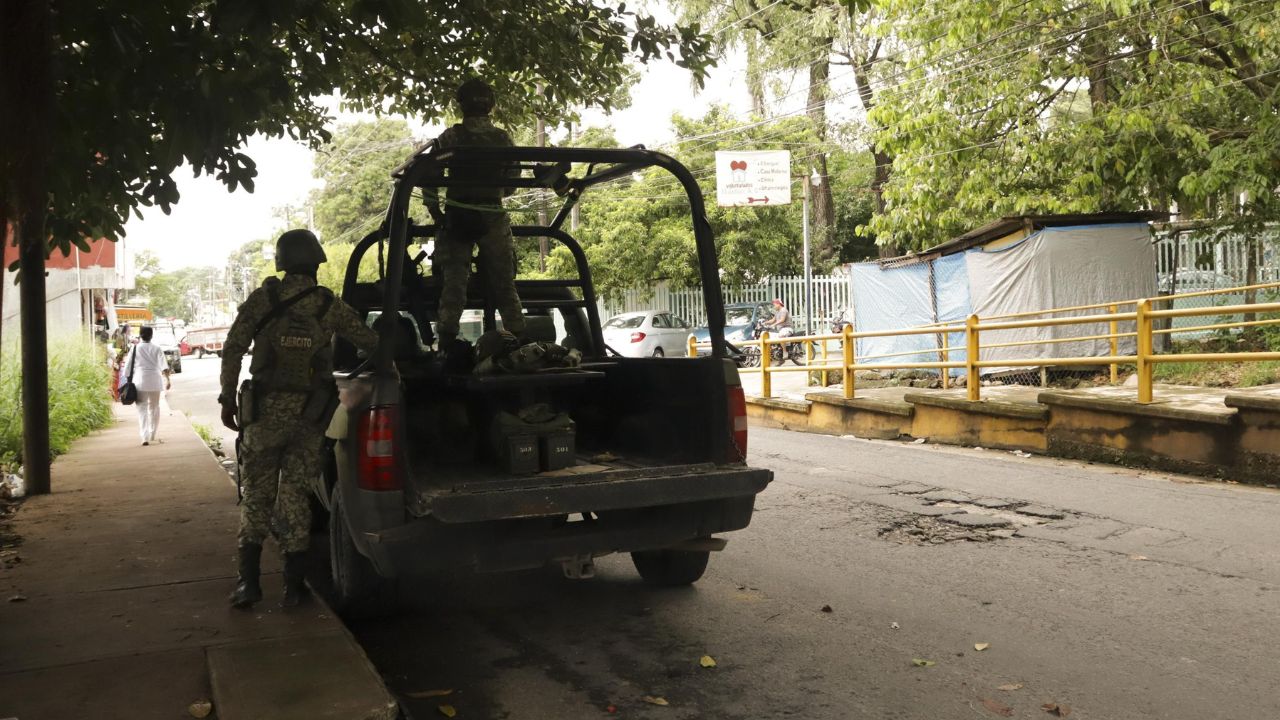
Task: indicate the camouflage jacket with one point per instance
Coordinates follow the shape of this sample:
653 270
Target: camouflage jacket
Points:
340 318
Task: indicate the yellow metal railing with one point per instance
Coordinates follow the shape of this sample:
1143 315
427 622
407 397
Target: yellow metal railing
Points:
1143 316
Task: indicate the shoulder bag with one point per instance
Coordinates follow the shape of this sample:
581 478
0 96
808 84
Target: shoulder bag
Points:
129 391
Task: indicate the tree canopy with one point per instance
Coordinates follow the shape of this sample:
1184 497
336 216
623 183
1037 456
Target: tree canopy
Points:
355 167
1052 106
143 88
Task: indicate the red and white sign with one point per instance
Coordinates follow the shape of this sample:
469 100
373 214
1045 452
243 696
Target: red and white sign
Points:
753 178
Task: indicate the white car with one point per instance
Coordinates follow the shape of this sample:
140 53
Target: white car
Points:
647 333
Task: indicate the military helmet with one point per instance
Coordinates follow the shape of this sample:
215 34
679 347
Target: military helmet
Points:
298 248
475 97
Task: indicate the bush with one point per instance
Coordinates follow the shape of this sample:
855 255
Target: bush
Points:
79 396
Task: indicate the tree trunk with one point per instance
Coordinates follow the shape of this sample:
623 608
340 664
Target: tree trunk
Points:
26 94
35 355
755 77
1094 50
822 239
1251 278
884 165
883 160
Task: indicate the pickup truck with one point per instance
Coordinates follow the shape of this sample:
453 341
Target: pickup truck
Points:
413 482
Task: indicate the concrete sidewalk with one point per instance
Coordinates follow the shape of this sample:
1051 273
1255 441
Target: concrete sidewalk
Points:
118 606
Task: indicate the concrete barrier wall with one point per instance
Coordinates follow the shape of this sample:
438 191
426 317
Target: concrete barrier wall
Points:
1239 441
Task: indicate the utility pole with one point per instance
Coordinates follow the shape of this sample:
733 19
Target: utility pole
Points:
573 212
542 200
815 180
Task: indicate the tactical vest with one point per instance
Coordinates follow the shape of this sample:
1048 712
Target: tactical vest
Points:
293 353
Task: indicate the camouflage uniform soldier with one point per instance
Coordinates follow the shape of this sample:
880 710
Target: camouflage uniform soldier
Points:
467 225
291 323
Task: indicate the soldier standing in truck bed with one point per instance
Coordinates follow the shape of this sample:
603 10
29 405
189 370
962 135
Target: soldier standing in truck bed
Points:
474 218
283 414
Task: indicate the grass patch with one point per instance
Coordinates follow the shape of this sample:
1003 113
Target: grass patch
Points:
1260 373
209 437
79 396
1222 374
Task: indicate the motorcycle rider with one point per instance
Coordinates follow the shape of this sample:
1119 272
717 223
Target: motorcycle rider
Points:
781 320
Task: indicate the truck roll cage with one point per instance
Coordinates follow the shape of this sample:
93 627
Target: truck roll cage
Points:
538 168
351 281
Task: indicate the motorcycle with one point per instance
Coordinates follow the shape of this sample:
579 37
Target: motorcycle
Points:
839 321
778 354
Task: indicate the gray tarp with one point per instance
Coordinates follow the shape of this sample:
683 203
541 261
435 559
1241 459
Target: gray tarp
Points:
1062 267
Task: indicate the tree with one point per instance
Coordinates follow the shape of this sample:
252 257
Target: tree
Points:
355 167
790 37
142 88
103 104
1079 107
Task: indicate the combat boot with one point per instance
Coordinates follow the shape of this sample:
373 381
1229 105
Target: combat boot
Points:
295 579
248 591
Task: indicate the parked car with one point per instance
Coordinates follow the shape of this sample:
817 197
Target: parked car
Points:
647 333
739 322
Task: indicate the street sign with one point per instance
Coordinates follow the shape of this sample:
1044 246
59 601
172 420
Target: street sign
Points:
753 179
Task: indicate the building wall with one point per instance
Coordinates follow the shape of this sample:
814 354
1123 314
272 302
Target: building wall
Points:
107 265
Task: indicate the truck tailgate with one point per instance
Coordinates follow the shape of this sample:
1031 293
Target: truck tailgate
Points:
611 489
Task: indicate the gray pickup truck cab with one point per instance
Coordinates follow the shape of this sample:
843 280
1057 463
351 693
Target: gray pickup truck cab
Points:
657 464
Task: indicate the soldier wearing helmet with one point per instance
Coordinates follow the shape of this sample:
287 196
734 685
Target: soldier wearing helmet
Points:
282 415
473 220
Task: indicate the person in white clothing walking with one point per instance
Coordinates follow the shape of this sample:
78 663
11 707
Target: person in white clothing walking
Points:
150 372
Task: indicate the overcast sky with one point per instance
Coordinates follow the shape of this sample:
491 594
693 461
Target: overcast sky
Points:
209 223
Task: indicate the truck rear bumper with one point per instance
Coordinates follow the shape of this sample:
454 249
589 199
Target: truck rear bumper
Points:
511 529
642 487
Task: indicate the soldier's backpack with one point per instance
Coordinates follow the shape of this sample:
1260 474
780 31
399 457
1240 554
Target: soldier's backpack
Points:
292 350
483 188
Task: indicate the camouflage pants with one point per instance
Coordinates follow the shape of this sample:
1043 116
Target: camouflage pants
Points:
279 458
453 259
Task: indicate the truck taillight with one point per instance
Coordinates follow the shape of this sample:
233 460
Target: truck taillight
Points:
377 441
637 336
737 423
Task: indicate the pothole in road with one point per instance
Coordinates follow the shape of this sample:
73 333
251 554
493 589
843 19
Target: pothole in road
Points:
926 530
948 516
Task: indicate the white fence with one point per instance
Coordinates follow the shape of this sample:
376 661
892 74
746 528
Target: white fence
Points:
830 295
1197 261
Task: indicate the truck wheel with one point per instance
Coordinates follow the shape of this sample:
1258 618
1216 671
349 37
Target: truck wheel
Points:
358 590
671 567
199 353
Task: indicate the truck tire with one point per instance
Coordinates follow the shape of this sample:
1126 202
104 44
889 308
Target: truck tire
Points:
359 592
671 567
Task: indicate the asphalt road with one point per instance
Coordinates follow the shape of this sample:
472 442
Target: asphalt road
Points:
1152 596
